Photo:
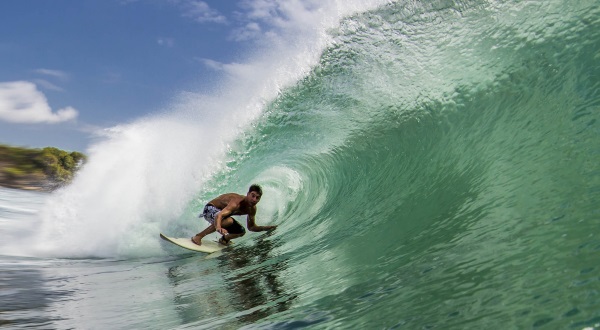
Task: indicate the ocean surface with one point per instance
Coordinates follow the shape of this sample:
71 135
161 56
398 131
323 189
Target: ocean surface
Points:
430 165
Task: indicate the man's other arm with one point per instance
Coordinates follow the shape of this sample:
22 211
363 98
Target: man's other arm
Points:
252 224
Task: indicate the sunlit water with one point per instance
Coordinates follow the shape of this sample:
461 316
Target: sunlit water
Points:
437 166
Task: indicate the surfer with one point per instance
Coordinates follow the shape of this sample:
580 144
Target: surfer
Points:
218 213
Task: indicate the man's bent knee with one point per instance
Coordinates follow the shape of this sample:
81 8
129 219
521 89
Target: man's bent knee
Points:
236 228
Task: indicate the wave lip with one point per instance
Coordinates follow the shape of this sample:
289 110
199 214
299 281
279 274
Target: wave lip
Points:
141 176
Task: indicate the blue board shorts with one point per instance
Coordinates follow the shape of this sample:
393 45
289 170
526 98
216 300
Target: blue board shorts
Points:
210 214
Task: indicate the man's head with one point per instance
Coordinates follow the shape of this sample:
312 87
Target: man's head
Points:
254 194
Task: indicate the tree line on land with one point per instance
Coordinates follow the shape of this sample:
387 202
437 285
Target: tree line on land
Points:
40 169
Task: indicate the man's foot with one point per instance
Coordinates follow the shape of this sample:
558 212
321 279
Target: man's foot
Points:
196 241
224 241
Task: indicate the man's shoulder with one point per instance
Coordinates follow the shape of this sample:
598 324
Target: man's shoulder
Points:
230 197
233 199
236 198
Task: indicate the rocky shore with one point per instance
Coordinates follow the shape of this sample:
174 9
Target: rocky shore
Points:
27 182
37 169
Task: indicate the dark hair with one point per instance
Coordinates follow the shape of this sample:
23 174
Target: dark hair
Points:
256 188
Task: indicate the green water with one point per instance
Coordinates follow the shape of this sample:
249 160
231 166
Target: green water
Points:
439 168
447 162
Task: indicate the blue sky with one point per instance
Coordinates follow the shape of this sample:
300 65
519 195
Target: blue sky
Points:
73 67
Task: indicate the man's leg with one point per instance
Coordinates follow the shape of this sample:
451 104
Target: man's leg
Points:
233 228
198 238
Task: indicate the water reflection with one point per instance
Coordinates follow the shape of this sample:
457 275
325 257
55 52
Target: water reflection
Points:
253 274
24 296
242 285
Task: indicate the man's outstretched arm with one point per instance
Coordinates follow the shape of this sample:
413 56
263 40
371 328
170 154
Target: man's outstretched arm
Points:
253 227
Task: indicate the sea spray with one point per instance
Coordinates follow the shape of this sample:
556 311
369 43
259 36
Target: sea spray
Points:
437 168
141 175
444 170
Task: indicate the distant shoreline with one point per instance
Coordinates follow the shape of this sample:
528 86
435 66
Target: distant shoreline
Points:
43 169
42 186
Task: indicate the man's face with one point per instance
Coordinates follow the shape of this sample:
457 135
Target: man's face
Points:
253 198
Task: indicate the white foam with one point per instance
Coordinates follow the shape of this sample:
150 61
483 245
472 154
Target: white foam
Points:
142 174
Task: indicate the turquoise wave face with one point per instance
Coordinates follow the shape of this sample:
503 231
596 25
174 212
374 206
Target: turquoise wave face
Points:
439 167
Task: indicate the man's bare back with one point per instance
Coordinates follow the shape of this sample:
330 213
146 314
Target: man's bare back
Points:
235 201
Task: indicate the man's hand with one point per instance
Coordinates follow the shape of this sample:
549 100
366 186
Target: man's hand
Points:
268 229
262 228
222 231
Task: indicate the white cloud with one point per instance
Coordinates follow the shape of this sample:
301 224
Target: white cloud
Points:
260 9
166 42
48 85
217 66
54 73
234 69
112 77
252 30
22 102
201 12
270 18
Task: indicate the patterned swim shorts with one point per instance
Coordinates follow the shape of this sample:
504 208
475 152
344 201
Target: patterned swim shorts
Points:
210 213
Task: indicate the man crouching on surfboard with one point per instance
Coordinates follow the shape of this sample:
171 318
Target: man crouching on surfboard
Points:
218 213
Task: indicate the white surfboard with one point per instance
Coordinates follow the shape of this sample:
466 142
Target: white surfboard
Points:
186 243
